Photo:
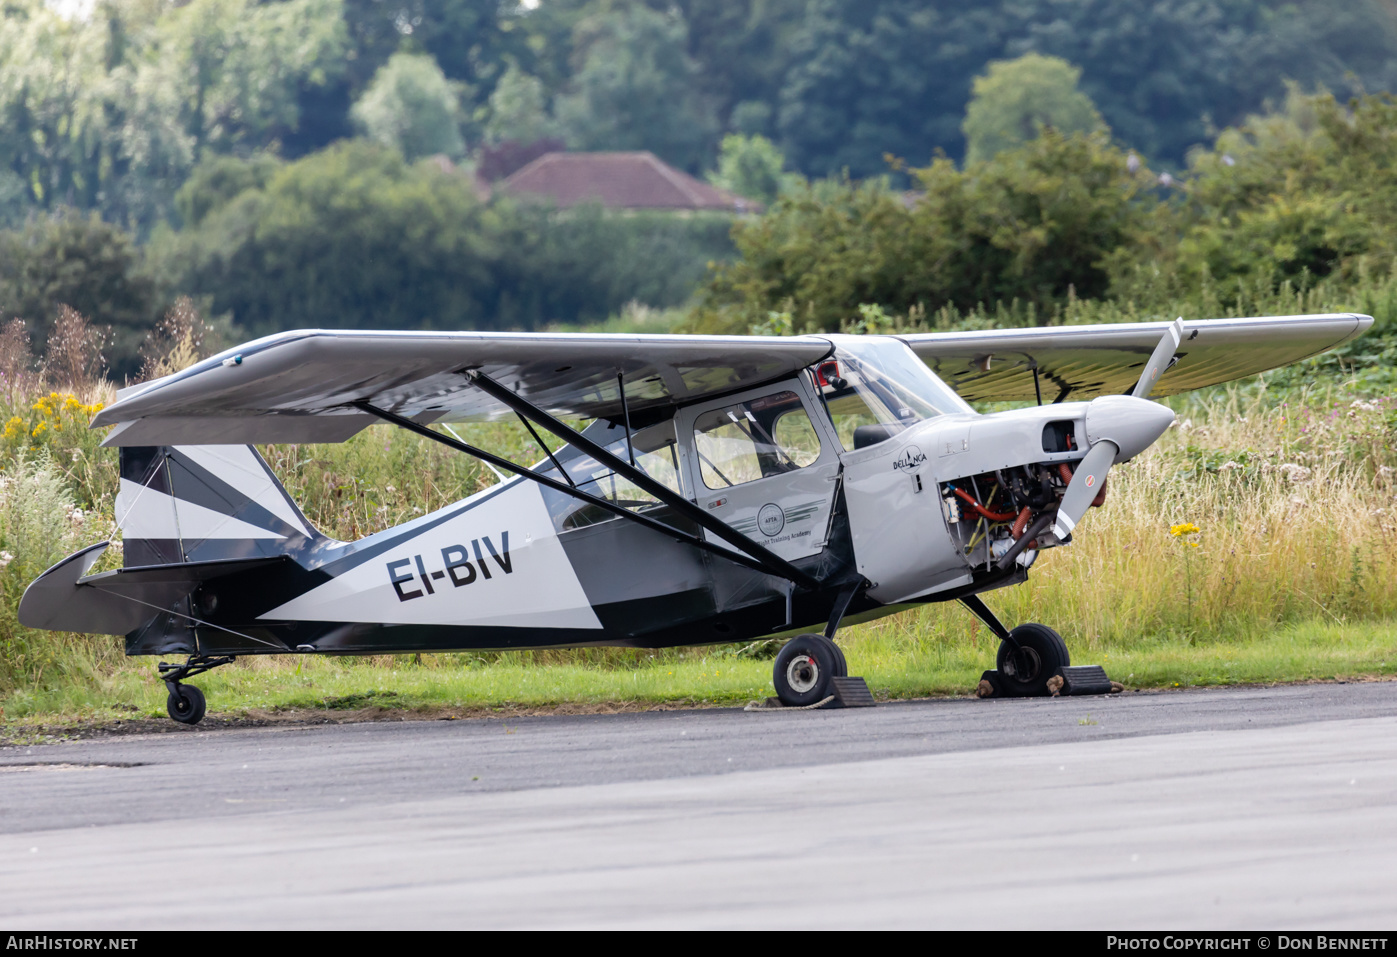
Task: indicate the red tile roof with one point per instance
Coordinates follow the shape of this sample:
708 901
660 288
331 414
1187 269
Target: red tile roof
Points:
621 181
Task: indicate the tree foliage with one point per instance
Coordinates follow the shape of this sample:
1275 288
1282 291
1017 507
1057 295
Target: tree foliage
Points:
1028 224
1020 98
1296 195
752 166
635 88
356 237
412 107
68 261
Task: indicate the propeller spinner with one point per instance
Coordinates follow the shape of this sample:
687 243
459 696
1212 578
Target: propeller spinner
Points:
1119 427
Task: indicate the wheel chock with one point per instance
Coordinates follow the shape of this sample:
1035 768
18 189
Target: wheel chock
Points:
1072 680
844 693
1084 679
851 692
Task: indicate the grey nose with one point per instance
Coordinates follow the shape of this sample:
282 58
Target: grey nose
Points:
1132 424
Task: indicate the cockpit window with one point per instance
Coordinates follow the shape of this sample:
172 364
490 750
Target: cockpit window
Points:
655 454
875 387
751 440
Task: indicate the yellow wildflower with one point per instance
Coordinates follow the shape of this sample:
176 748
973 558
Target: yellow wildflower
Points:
1187 528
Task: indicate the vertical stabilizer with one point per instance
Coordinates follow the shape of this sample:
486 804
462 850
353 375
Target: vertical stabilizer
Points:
196 503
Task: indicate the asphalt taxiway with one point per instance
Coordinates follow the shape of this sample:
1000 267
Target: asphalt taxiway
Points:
1226 808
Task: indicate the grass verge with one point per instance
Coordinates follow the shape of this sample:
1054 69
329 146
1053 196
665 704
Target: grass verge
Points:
268 690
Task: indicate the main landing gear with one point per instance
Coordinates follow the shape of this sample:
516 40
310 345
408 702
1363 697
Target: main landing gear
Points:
810 670
1033 662
806 668
1026 666
186 703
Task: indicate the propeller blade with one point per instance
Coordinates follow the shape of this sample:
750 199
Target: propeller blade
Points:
1085 485
1159 359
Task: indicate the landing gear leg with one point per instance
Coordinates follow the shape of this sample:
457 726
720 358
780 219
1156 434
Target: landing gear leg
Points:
841 606
1028 656
186 703
807 667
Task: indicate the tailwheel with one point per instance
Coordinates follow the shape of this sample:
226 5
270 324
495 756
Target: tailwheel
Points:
186 704
805 668
1041 653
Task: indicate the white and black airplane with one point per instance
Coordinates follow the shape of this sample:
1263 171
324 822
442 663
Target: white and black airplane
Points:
726 488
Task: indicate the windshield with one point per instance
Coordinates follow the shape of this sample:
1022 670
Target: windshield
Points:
875 386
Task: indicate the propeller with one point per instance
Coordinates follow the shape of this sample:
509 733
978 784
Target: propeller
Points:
1160 360
1085 485
1118 427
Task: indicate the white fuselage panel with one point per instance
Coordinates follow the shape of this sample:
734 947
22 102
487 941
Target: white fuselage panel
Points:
498 563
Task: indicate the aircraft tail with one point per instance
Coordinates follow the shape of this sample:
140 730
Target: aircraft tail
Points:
199 503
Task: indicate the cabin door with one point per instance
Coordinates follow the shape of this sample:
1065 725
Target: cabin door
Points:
758 462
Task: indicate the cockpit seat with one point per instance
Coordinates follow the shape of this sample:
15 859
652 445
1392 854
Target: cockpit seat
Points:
866 435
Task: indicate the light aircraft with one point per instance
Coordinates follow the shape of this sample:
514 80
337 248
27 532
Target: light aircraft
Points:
726 489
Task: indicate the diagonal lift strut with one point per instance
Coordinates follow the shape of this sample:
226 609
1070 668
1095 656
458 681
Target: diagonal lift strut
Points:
569 489
770 562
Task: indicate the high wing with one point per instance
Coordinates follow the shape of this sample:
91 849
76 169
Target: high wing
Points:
302 386
1082 362
299 386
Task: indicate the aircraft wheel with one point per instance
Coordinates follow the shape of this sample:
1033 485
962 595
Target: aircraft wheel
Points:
804 668
1042 653
186 704
841 667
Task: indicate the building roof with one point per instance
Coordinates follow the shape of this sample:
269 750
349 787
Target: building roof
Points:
621 181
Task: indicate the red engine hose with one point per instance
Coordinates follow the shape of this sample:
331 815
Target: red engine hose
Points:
1021 523
1066 473
992 516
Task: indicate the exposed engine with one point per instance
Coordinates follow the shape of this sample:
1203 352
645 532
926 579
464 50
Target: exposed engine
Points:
1004 516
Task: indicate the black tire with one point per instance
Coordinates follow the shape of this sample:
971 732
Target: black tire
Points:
186 704
1042 654
841 667
804 669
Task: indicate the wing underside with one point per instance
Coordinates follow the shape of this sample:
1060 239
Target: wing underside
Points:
299 386
1082 362
302 386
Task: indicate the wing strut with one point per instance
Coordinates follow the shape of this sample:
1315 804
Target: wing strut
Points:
767 560
567 489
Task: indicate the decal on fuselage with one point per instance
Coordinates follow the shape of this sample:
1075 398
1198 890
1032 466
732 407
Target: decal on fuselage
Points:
911 458
456 564
496 561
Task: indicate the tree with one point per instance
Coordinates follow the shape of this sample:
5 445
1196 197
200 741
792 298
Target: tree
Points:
84 264
876 77
518 110
234 65
1295 195
352 236
1020 98
55 136
1166 74
218 181
1036 223
753 167
413 107
742 49
635 88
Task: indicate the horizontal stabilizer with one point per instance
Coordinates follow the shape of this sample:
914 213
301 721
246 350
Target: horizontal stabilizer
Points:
116 602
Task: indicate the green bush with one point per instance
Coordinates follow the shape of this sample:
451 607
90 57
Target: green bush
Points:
355 237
